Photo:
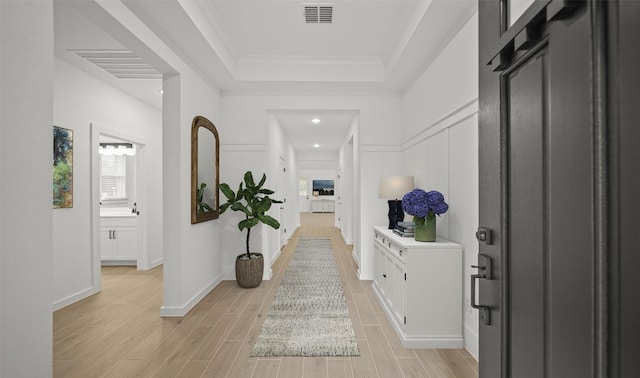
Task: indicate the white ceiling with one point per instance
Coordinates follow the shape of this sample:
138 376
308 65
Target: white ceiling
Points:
265 46
329 133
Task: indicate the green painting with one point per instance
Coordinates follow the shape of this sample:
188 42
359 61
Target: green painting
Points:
62 168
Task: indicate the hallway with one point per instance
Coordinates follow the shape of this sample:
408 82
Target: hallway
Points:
119 333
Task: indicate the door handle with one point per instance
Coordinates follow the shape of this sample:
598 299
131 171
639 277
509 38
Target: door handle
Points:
114 234
484 272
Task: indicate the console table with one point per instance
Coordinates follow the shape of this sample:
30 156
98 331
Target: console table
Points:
323 206
419 285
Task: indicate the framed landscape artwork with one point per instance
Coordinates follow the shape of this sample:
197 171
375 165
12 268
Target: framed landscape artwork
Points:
62 168
323 187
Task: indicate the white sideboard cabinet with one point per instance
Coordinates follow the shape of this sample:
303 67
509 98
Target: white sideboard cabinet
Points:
419 285
118 240
323 206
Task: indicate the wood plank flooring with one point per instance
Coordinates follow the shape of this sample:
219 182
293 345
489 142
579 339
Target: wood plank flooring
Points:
119 333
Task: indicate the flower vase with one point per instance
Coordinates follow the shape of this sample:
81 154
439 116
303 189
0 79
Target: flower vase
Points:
425 228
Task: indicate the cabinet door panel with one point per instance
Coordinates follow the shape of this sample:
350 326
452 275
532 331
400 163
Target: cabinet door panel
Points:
106 244
126 240
378 270
390 280
329 207
400 292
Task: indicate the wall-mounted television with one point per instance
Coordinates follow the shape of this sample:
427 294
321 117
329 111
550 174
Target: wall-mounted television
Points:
323 188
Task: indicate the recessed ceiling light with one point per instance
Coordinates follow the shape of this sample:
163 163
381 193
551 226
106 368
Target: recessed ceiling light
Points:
316 145
315 120
160 91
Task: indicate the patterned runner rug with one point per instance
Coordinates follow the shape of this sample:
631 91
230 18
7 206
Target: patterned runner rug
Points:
309 315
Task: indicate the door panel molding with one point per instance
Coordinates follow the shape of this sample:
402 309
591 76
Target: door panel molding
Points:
602 214
526 31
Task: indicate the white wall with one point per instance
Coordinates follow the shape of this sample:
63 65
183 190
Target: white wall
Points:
282 159
235 160
193 258
26 71
192 254
201 259
118 112
318 174
444 97
345 211
440 149
378 128
317 160
239 155
375 161
314 174
316 165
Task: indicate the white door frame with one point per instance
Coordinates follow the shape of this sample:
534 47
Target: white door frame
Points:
282 189
141 168
303 201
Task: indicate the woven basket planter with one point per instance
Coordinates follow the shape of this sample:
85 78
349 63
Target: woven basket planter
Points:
249 272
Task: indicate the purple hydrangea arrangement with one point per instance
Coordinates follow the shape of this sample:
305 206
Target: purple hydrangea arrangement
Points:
421 204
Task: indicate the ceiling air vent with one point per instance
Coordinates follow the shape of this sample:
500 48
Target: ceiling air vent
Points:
318 14
123 64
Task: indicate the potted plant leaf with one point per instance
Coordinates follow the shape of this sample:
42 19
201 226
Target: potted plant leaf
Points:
253 201
202 205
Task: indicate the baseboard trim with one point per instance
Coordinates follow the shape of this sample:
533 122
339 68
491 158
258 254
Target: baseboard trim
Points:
64 302
156 263
355 258
119 263
168 311
275 257
471 342
230 274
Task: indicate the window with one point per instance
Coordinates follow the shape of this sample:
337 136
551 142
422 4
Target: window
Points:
302 186
113 179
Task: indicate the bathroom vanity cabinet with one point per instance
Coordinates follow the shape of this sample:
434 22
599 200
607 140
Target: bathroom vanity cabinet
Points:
119 240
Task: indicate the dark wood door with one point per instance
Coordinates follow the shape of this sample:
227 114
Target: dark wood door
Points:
551 190
623 115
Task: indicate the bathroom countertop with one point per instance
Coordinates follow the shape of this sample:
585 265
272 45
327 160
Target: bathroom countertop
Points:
111 212
117 215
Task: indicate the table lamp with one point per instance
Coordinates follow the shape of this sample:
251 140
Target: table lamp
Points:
392 188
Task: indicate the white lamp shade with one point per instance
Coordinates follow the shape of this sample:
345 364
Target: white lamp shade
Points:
395 187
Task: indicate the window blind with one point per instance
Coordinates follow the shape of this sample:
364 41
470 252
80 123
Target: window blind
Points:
113 179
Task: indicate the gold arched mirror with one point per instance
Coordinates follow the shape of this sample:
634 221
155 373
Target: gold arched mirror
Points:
205 170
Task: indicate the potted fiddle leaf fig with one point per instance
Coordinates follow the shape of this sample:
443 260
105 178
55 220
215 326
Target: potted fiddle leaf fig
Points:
253 201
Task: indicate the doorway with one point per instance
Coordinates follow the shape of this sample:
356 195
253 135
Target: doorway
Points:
282 186
126 243
120 239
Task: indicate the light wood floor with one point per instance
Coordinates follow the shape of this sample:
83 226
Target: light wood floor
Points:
119 333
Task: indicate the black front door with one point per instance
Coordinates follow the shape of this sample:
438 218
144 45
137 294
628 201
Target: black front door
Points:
549 205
